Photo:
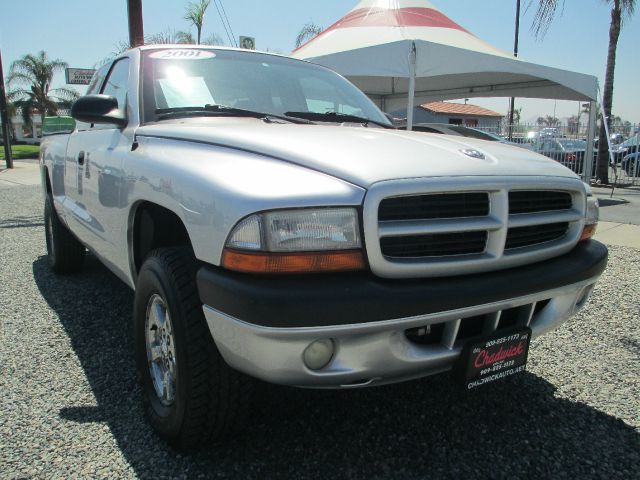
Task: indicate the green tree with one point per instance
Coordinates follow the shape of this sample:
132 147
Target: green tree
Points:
619 9
307 33
29 82
517 114
169 36
195 15
551 121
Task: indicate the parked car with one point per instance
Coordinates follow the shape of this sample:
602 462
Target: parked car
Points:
267 237
460 130
569 153
629 146
631 164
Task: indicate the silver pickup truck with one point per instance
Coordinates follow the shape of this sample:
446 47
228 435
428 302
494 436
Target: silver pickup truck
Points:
274 225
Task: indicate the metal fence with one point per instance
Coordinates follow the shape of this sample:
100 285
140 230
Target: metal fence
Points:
567 144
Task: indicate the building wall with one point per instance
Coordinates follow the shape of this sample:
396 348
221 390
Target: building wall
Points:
23 134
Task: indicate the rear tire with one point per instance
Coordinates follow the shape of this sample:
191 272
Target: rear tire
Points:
191 396
65 253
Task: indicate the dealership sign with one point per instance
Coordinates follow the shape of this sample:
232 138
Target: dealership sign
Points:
248 43
79 76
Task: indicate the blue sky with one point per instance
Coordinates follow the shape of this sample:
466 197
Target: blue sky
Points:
82 32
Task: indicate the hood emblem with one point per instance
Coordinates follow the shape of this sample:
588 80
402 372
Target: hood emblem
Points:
473 153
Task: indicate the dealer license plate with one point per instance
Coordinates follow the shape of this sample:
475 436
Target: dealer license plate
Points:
493 358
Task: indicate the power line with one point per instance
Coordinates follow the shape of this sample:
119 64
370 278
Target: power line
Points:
228 23
224 25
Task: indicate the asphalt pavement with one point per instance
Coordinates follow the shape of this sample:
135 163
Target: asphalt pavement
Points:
70 404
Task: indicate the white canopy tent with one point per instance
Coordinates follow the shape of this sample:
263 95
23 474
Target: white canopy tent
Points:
403 53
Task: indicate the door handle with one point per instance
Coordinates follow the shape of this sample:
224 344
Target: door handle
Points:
81 158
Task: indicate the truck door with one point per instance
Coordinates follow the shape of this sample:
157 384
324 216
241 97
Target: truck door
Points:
97 154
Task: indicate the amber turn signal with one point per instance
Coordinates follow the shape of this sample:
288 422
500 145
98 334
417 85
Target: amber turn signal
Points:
308 262
588 231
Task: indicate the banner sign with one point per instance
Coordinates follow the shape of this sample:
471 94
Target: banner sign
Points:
79 76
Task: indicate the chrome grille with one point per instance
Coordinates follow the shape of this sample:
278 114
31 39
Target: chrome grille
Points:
441 227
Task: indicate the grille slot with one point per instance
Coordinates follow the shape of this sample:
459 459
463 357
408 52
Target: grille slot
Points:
467 328
530 201
432 206
434 245
518 237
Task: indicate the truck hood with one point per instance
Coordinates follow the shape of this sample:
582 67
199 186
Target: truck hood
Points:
359 155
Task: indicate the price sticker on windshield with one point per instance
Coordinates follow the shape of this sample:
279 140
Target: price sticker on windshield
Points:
182 54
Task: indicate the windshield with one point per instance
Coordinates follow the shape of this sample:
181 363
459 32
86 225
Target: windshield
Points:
194 78
573 144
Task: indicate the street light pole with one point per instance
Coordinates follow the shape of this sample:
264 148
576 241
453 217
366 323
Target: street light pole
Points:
136 30
4 116
515 54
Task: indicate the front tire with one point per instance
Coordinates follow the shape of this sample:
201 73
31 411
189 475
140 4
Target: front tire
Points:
64 252
191 396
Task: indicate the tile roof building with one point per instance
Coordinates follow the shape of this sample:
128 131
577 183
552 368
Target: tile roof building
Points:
456 114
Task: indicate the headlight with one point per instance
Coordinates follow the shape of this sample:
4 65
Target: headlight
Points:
304 240
592 216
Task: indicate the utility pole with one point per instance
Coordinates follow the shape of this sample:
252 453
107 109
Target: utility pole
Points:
5 119
515 54
136 30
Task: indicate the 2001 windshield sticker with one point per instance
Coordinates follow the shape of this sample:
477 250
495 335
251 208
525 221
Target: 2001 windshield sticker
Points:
182 54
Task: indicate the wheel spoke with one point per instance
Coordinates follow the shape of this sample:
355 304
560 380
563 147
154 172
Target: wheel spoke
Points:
168 386
161 349
156 353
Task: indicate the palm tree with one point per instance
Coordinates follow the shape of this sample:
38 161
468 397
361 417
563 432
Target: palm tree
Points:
30 77
307 33
619 9
195 15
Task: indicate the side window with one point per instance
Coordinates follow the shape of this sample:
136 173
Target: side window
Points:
117 82
96 80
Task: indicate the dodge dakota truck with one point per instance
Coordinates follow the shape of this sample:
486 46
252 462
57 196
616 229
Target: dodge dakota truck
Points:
275 226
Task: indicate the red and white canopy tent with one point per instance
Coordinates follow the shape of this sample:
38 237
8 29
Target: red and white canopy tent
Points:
392 49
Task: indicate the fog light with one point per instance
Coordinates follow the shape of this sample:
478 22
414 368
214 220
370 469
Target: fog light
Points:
318 354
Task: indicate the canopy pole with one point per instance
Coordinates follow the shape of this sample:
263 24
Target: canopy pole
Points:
591 135
412 86
605 122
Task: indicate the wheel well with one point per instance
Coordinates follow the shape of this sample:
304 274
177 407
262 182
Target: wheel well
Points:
156 227
48 181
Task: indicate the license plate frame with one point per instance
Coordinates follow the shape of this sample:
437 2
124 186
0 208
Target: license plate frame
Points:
485 360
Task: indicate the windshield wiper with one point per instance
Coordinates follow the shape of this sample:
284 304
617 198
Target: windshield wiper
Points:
217 110
335 117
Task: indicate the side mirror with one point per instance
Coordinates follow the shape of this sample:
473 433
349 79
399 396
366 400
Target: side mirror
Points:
98 109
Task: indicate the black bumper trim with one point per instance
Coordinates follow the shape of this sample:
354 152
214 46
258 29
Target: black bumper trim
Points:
341 299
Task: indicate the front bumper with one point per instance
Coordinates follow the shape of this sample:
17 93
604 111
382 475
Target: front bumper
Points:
262 325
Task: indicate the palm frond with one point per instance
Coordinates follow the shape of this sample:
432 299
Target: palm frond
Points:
307 33
545 14
195 15
195 12
64 94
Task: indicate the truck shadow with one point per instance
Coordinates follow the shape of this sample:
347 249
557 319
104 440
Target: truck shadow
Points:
419 429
